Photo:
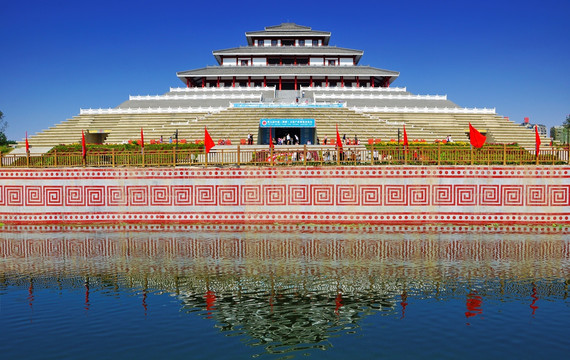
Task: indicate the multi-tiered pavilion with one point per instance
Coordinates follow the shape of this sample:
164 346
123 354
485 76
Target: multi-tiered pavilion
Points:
288 56
288 73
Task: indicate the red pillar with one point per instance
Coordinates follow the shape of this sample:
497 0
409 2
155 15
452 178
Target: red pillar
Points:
249 81
187 82
326 81
342 81
372 81
311 81
234 82
279 82
295 83
203 82
265 81
218 84
357 82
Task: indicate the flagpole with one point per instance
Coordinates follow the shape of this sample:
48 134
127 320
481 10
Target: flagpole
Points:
271 147
83 149
205 155
27 151
142 147
537 145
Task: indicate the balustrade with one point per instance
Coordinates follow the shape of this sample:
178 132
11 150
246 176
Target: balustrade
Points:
307 155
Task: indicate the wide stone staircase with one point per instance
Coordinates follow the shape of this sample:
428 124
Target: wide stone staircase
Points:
439 126
235 123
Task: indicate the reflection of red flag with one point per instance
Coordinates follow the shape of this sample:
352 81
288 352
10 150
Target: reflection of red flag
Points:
208 142
404 303
405 137
534 297
83 147
27 144
338 303
338 140
476 138
474 303
142 139
537 137
210 300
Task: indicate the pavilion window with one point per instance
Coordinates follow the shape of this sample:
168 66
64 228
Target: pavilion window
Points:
288 42
332 62
273 42
315 42
301 42
260 43
244 63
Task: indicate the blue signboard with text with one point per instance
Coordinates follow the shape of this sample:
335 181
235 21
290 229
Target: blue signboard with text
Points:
287 123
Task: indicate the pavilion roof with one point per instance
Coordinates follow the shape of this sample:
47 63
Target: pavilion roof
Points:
287 50
288 30
289 71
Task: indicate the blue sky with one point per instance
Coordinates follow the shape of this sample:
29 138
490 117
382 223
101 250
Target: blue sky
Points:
60 56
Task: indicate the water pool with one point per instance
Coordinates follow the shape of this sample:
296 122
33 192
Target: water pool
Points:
281 292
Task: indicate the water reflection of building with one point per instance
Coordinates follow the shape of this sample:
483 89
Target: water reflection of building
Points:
271 284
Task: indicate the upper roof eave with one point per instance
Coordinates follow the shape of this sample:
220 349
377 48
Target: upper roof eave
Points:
318 50
291 33
286 70
287 50
288 30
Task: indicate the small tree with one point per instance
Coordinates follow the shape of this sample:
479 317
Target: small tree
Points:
566 123
3 126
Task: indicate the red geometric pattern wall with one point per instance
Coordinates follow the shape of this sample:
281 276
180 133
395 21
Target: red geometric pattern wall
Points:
330 194
285 195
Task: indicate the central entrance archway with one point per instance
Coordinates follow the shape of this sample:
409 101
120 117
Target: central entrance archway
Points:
304 129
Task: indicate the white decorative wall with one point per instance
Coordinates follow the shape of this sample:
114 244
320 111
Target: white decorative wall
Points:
363 194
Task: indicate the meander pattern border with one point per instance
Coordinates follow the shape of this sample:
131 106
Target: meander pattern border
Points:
403 194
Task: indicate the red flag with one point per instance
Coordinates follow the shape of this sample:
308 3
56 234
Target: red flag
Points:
338 140
142 139
537 137
27 144
83 147
208 142
476 138
405 137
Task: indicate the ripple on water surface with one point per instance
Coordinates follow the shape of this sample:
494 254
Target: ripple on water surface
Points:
334 292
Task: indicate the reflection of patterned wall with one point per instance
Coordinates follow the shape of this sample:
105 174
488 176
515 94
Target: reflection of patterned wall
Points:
431 254
403 194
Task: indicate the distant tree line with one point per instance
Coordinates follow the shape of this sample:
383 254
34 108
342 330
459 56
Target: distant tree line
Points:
3 126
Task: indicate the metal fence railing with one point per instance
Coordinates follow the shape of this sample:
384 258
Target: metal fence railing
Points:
312 155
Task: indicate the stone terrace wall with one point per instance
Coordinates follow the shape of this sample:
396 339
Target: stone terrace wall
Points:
355 195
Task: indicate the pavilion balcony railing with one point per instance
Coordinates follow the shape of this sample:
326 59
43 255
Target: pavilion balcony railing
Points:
301 155
361 89
222 89
195 96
